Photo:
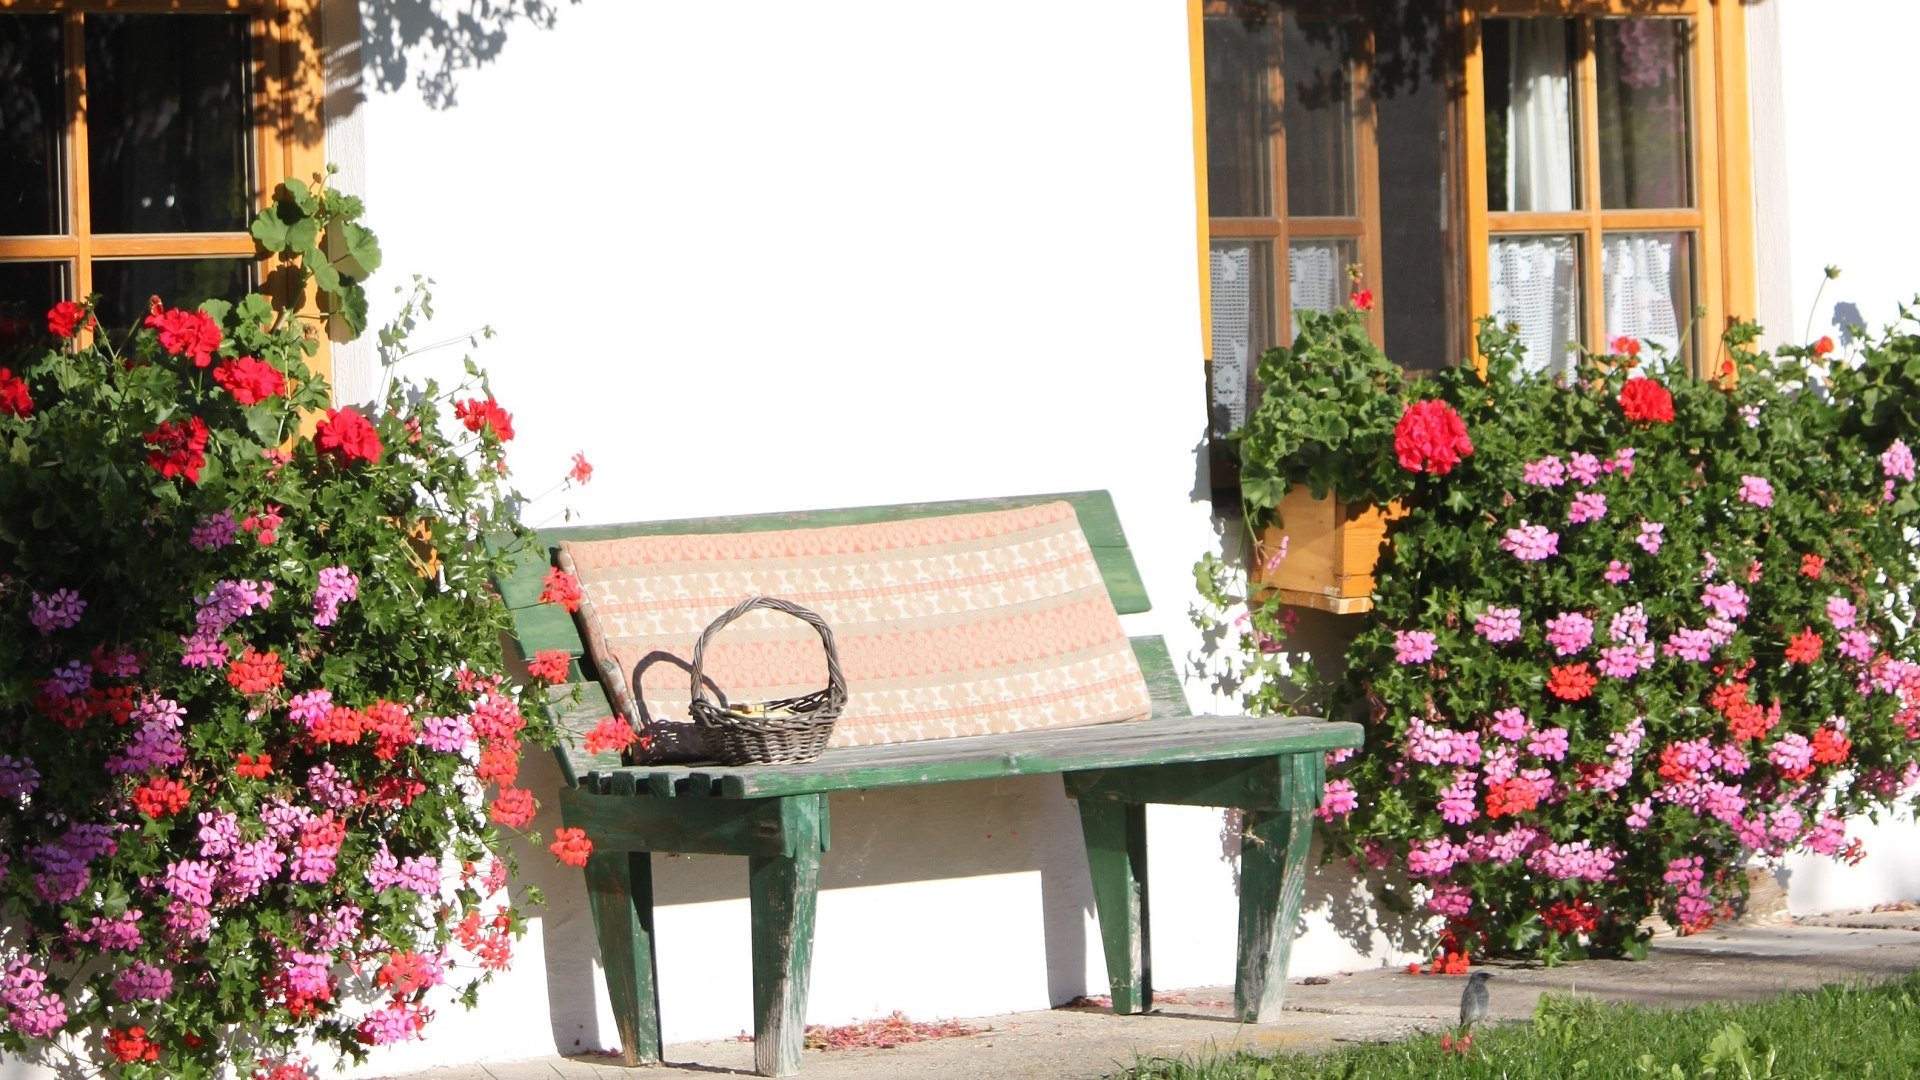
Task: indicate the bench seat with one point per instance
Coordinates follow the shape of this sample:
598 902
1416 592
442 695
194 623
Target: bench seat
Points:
1272 769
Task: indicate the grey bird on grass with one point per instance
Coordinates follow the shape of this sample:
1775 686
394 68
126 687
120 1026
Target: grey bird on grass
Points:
1473 1000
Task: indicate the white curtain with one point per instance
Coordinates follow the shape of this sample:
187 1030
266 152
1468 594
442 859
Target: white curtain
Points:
1639 274
1232 287
1540 128
1316 271
1535 281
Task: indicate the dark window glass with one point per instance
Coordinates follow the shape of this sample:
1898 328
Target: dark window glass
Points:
1239 54
32 117
125 285
1642 90
27 290
1418 254
168 122
1317 113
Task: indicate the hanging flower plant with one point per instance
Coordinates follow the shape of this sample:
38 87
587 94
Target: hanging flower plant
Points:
247 731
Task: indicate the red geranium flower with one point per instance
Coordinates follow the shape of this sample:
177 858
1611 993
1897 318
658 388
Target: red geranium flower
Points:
392 727
192 334
1646 401
405 973
132 1044
250 381
253 768
256 673
549 665
1804 648
581 472
1362 299
1830 747
160 797
1571 682
14 398
571 846
1431 438
340 725
1511 797
1823 347
348 434
1812 566
562 588
1626 346
476 414
514 808
67 318
499 763
611 734
180 448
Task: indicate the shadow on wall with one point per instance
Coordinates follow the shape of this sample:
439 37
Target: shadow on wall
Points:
390 45
951 831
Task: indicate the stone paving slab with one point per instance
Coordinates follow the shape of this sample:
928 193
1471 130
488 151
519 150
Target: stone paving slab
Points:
1739 963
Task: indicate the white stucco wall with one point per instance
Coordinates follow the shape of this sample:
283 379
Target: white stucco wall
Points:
955 246
957 241
1831 192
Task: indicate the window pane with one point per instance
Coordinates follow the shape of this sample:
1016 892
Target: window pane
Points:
168 122
126 284
1534 281
1242 323
27 290
1239 118
1317 114
1317 274
1642 93
1532 164
1649 287
32 117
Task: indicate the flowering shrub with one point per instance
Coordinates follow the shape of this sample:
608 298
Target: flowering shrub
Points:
250 686
1653 627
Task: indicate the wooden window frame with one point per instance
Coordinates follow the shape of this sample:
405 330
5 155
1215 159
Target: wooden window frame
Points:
286 87
1722 216
1282 227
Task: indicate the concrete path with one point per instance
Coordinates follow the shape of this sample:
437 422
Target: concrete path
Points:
1739 963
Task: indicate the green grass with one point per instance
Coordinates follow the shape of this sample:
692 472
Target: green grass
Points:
1835 1032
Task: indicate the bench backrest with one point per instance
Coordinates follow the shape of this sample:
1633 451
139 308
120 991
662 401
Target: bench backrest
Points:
547 627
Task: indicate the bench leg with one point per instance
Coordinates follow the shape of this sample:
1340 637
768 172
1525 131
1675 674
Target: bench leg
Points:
782 891
1273 880
620 889
1116 837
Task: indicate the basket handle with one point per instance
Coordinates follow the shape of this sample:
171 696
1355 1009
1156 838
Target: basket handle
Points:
836 681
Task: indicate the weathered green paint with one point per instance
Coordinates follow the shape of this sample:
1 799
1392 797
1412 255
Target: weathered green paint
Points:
643 822
776 815
620 892
782 890
1106 746
1163 679
1246 783
1273 881
575 719
1116 838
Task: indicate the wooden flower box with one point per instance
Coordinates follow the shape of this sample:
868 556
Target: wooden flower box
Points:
1332 549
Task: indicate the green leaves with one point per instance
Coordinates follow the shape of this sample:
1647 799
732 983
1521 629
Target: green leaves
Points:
1691 578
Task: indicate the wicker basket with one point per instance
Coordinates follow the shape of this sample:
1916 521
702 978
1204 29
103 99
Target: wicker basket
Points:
783 732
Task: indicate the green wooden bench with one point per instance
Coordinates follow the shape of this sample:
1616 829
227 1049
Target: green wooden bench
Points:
776 815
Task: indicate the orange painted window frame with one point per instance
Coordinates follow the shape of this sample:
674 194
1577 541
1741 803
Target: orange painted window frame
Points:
289 138
1722 84
1362 226
1723 164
